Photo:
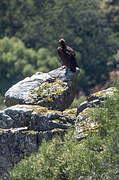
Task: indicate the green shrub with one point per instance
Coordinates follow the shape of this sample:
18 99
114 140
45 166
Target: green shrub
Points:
57 159
109 132
78 101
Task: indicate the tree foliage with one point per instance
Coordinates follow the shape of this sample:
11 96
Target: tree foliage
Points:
17 61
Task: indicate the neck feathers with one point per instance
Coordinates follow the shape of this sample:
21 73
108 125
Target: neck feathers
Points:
63 46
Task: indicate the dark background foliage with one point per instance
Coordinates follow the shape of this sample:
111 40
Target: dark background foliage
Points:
29 33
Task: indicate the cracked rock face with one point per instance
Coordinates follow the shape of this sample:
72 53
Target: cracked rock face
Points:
55 90
17 143
22 128
36 118
20 124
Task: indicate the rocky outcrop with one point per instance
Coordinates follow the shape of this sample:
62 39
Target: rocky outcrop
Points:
14 144
22 128
55 90
96 99
36 117
35 111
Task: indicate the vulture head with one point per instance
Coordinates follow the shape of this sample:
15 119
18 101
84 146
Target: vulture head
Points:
62 42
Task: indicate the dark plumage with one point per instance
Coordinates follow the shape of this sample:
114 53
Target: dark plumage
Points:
67 55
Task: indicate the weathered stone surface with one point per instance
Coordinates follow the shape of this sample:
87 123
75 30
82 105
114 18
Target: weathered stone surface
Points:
84 124
97 99
104 94
22 128
87 104
55 90
15 117
35 117
15 143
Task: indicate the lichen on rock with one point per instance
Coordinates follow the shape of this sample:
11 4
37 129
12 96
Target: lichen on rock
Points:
84 124
48 91
103 94
97 98
55 90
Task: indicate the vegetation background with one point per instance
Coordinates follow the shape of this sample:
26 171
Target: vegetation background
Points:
30 30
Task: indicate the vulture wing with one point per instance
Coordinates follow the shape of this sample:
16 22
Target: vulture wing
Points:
70 52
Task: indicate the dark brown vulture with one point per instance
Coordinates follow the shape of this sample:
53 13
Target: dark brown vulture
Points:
67 55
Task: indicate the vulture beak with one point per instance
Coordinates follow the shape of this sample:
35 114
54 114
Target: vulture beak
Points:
62 41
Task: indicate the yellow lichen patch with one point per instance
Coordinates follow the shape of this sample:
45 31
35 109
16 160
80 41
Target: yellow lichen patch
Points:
108 92
30 132
100 93
86 112
90 131
1 130
47 91
48 99
70 112
86 128
55 112
38 109
56 121
60 82
47 85
86 133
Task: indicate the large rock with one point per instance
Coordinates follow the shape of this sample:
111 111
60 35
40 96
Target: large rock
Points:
84 124
55 90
